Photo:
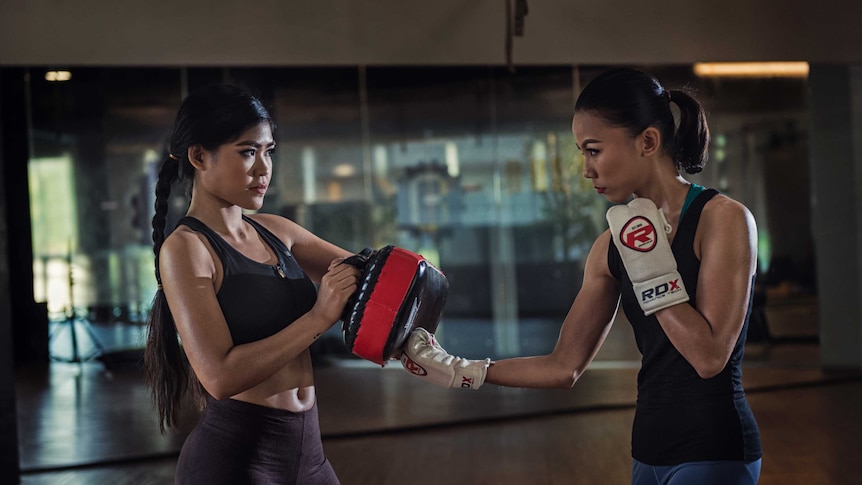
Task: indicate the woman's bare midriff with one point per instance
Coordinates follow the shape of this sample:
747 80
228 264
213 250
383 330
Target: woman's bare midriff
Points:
292 388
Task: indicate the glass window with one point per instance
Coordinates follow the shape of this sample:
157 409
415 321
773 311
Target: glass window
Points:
473 167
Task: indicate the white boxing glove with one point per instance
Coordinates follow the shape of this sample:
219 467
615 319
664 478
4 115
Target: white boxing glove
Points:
426 359
640 232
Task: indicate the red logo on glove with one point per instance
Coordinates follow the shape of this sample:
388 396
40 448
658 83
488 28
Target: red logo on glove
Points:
413 367
638 234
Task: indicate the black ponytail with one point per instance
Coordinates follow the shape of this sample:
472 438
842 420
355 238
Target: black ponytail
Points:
635 100
690 147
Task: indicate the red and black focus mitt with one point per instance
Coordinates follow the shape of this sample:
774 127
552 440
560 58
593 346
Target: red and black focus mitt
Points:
399 290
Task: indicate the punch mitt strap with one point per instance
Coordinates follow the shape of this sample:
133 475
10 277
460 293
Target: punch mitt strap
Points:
399 290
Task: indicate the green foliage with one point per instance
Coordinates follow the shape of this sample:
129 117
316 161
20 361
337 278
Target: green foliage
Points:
576 212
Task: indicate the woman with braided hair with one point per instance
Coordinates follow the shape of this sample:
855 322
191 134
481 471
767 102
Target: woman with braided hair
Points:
238 292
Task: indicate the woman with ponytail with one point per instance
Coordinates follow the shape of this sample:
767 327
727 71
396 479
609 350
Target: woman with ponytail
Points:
237 309
681 258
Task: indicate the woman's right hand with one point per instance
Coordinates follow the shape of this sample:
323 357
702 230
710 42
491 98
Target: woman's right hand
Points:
336 286
425 358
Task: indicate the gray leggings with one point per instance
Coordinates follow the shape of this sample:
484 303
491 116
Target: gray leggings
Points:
242 443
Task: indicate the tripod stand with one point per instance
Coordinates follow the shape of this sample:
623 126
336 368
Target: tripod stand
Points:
71 323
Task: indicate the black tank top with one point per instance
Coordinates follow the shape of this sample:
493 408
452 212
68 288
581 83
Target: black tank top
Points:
681 417
258 299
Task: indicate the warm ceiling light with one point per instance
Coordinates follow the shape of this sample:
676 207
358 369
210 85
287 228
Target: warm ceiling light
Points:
58 75
751 69
344 170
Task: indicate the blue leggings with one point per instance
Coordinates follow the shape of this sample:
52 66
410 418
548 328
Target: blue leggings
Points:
697 472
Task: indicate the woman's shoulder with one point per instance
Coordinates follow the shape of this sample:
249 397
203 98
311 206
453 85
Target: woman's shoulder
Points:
186 252
183 241
724 216
597 259
283 228
724 209
267 219
603 241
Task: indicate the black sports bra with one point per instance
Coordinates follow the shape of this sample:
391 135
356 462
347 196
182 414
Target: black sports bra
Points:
258 299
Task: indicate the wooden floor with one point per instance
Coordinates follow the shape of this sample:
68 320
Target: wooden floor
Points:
85 424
